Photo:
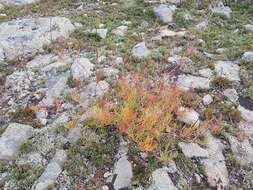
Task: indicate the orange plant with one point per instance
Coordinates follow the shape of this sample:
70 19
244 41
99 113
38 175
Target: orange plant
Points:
146 111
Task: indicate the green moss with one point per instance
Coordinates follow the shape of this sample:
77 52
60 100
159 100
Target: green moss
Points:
26 147
25 175
221 82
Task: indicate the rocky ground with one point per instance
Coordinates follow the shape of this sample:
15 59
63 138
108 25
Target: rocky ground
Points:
51 54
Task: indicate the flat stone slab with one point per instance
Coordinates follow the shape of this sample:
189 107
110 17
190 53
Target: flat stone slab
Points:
26 37
12 139
18 2
52 171
228 70
191 150
187 82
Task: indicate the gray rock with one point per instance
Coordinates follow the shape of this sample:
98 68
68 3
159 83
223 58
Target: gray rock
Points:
41 61
95 89
191 150
188 116
228 70
165 13
26 37
12 139
246 114
249 27
101 32
207 73
82 69
243 151
231 95
215 165
219 8
248 56
56 85
120 31
32 159
18 2
123 170
140 50
58 66
187 82
202 26
161 180
52 171
207 99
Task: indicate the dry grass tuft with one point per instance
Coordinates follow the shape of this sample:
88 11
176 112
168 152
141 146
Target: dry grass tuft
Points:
146 112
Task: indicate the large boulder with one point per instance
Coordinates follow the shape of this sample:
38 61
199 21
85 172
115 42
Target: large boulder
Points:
26 37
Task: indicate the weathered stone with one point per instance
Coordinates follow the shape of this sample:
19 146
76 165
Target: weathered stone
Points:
120 31
161 180
140 50
249 27
18 2
82 69
165 13
243 151
188 116
123 170
246 114
202 26
207 73
191 150
52 171
231 95
12 139
187 82
220 9
55 87
95 89
248 57
207 99
26 37
41 61
215 166
228 70
101 32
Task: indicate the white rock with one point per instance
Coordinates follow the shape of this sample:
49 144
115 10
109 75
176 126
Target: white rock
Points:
187 82
18 2
219 8
243 151
246 114
101 32
231 95
120 31
188 116
1 6
191 150
165 13
215 165
26 37
248 56
228 70
82 69
207 99
249 27
161 180
140 50
12 139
